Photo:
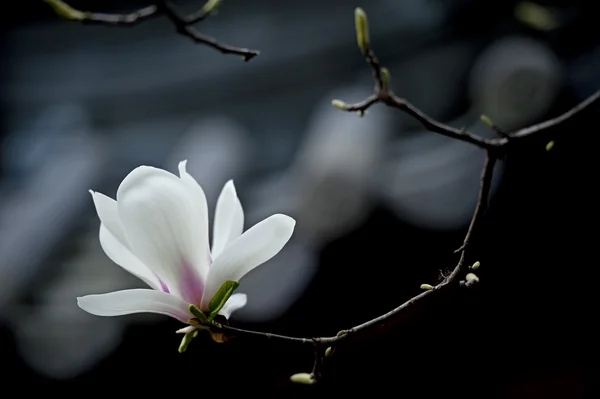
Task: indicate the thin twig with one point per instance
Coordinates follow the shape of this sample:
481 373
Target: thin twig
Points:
206 11
383 94
552 123
482 200
130 19
241 331
373 62
434 126
185 29
485 119
182 23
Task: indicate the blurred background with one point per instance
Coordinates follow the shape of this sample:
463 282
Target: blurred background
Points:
381 204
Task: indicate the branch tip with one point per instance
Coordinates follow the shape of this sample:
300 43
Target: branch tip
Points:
303 378
361 25
65 11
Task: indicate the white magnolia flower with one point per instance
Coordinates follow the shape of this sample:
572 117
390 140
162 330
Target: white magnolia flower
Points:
157 229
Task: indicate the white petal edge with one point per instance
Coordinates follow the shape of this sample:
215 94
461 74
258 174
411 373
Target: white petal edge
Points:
199 197
120 303
122 256
165 229
254 247
107 211
235 302
229 219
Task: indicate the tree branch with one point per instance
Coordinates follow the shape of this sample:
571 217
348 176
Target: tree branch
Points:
183 23
183 28
554 122
482 200
484 191
383 94
432 125
227 328
130 19
495 149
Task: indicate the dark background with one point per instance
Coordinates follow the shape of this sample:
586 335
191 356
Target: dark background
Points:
527 330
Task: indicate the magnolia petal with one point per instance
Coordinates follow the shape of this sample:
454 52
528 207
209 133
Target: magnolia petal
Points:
114 242
126 302
256 246
108 214
165 229
123 257
229 219
199 197
235 302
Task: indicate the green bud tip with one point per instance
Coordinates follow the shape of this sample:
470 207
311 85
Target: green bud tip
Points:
65 11
211 5
328 351
339 104
537 17
486 119
361 25
385 77
549 145
426 287
476 265
472 278
303 378
198 313
185 341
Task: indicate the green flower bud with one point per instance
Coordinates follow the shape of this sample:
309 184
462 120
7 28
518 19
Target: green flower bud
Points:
385 77
472 278
339 104
211 6
486 119
329 351
361 25
65 11
303 378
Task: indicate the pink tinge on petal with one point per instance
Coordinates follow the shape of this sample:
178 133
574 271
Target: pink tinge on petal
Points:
163 285
192 285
